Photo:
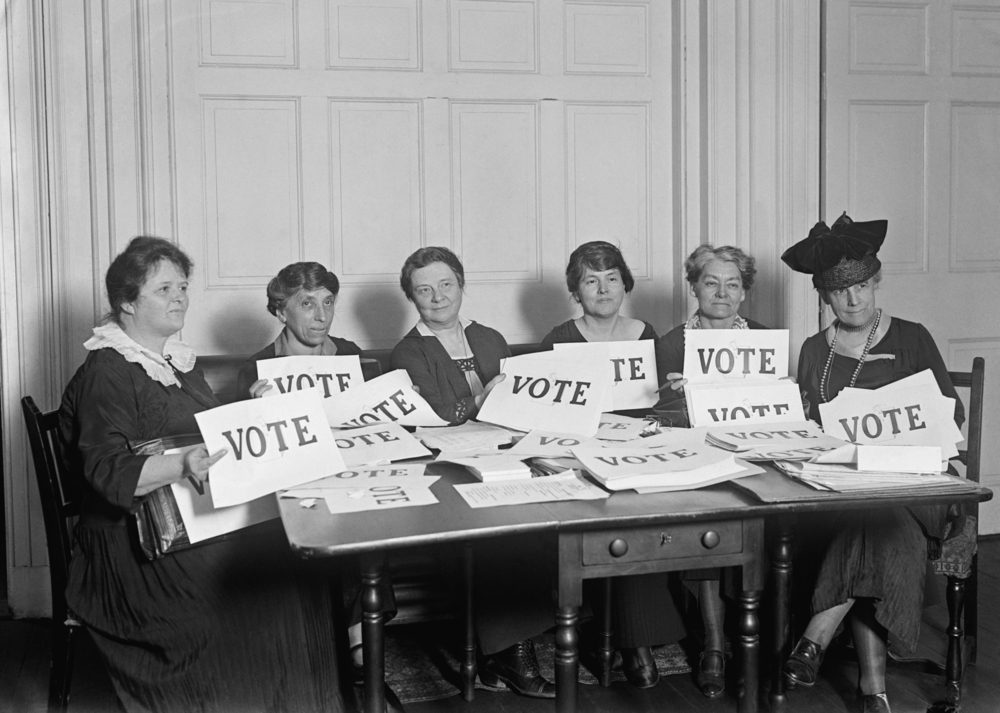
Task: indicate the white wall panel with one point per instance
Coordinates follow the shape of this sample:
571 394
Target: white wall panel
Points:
493 36
888 39
888 177
607 177
251 188
975 207
495 191
376 187
975 44
376 35
260 33
607 38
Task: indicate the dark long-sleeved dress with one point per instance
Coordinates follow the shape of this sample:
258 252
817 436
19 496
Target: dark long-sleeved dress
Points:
237 624
440 380
643 612
877 554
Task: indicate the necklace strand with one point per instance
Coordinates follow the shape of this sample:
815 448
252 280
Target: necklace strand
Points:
824 380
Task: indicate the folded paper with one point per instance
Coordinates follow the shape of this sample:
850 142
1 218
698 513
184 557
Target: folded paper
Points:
385 399
378 443
748 401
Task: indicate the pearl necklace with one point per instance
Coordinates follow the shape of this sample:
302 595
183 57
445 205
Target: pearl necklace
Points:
824 380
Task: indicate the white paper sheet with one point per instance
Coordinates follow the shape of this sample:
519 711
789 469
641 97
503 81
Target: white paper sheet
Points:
549 444
713 355
272 443
564 486
549 392
469 436
632 369
378 443
203 521
894 459
330 374
747 401
620 428
361 477
385 399
378 497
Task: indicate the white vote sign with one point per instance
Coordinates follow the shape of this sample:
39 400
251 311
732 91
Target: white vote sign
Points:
272 444
712 355
330 374
551 393
632 366
365 476
914 413
378 443
747 402
385 399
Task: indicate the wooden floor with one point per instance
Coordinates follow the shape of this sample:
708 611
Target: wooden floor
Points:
24 676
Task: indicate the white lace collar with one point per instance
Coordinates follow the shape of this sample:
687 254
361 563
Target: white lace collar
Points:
179 354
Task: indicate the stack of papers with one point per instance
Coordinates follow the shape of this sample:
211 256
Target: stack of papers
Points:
495 468
685 464
846 478
800 440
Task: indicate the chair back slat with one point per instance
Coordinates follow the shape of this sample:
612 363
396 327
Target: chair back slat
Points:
60 499
974 381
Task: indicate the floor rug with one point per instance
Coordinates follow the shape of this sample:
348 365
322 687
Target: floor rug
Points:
422 666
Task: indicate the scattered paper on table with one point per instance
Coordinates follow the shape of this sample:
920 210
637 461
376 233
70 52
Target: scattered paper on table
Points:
378 443
564 486
406 474
378 497
469 436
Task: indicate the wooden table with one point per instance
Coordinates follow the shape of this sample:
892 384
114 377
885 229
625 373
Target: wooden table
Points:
625 534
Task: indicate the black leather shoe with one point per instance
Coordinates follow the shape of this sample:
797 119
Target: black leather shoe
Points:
875 703
711 676
640 667
516 668
802 666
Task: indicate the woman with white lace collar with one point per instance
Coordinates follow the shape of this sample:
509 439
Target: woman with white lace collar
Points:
199 628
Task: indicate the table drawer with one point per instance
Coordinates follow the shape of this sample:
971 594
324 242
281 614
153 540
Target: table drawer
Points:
668 541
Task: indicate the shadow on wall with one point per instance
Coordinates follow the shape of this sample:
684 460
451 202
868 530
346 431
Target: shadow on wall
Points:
545 305
383 313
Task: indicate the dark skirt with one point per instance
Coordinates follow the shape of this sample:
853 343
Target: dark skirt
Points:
879 555
234 625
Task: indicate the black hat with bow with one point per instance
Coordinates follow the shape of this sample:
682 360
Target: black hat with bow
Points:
841 255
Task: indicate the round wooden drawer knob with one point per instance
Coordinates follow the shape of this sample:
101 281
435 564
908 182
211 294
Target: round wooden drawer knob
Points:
710 539
618 547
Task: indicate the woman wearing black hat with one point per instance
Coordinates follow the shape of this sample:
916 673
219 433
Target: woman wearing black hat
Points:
872 570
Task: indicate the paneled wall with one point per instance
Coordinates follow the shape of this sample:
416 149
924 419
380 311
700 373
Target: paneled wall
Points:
352 132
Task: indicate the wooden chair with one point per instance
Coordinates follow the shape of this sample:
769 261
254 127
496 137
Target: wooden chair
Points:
60 507
962 589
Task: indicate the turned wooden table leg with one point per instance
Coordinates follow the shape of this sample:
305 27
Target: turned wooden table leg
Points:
781 572
373 631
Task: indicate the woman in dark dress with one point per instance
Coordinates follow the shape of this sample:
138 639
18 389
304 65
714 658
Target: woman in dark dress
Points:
233 624
301 296
643 613
454 363
872 570
719 278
